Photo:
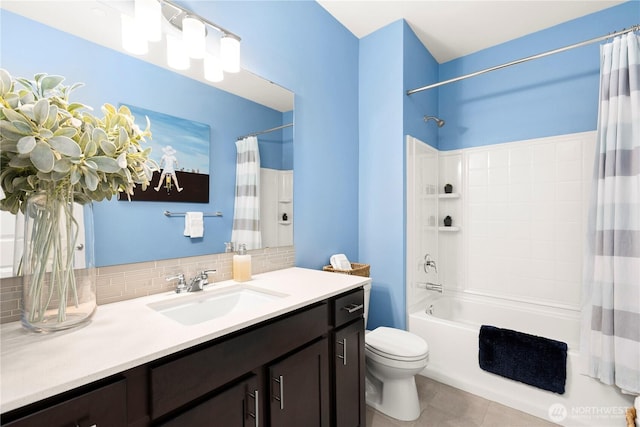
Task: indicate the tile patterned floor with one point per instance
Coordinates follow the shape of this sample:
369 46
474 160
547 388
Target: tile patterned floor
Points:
445 406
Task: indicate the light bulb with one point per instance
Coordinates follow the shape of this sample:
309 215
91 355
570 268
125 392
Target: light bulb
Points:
132 39
213 68
230 54
193 35
148 16
177 57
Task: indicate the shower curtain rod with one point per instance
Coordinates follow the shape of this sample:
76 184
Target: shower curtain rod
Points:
266 131
528 58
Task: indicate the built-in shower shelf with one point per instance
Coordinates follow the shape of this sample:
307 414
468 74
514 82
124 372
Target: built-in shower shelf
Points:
449 195
451 229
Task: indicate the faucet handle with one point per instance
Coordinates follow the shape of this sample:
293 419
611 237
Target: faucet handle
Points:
204 275
180 277
182 285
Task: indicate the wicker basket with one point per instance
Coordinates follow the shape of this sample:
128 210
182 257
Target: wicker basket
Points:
356 269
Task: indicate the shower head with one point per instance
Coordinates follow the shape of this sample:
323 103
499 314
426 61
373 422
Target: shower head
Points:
438 121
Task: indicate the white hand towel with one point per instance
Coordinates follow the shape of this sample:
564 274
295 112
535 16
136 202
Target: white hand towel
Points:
193 224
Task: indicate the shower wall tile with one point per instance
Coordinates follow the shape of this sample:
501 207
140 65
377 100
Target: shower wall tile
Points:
525 215
498 158
478 177
478 160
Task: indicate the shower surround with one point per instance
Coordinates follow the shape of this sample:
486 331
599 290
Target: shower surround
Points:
514 261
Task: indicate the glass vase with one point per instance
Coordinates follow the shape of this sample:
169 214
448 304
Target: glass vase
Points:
58 270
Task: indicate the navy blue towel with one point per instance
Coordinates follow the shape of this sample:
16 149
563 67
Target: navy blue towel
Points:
533 360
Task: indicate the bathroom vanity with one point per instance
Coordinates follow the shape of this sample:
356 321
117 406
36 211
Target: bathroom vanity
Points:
296 360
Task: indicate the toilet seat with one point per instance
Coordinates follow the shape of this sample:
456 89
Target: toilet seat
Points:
396 344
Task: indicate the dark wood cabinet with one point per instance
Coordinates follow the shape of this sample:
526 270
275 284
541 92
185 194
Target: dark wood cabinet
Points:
235 406
348 360
349 373
102 406
179 379
304 368
299 388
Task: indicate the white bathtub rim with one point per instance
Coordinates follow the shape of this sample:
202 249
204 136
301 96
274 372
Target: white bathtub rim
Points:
581 391
556 313
532 305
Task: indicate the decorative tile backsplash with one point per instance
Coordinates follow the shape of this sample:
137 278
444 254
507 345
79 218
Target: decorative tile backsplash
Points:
128 281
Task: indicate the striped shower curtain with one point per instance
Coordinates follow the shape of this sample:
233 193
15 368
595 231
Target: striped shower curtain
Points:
246 216
610 339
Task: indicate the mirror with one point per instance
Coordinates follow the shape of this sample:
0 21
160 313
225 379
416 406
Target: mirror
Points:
242 104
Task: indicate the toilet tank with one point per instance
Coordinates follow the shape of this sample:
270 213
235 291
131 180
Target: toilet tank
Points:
367 294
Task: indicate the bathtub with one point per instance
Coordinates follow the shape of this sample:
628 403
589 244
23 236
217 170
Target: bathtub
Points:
450 324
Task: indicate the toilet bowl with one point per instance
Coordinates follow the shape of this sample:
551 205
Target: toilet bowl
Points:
393 358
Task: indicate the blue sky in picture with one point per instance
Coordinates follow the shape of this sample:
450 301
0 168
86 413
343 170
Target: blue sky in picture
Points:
190 139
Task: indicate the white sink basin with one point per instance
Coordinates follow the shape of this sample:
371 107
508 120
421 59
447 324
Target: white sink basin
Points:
212 304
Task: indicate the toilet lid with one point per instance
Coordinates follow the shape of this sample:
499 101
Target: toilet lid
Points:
396 343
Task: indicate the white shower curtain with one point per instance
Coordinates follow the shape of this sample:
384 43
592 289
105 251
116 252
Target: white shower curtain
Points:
610 339
246 217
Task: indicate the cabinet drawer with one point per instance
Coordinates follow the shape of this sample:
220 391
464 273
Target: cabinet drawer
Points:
186 378
348 307
106 406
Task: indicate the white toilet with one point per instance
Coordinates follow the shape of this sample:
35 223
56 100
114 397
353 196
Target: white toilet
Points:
393 358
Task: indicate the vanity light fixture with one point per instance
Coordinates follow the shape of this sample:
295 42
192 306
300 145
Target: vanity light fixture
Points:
213 68
132 38
177 57
148 16
188 37
194 36
230 53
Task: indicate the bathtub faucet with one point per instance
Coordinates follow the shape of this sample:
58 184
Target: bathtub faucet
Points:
430 286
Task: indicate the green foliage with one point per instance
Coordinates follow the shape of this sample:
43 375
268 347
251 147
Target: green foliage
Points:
48 143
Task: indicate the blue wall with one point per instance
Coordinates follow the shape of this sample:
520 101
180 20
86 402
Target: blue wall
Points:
390 59
554 95
301 47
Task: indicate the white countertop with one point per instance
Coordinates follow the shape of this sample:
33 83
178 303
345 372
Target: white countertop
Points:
126 334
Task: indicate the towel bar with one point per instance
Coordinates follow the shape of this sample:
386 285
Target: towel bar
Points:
167 213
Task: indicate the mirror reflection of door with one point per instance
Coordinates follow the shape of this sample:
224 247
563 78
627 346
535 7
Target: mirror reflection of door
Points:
12 241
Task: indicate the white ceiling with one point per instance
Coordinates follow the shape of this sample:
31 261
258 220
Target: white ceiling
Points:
450 29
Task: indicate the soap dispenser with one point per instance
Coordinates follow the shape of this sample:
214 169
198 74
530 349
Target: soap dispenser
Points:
242 265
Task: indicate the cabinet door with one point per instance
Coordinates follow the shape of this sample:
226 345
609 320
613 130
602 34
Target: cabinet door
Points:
236 406
105 406
349 362
299 388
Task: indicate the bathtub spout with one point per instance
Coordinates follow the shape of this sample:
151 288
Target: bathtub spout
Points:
430 286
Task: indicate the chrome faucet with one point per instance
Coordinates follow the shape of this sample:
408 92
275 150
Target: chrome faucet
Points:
198 282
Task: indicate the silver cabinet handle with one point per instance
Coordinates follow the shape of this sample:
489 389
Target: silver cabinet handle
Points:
280 381
353 307
344 351
256 408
